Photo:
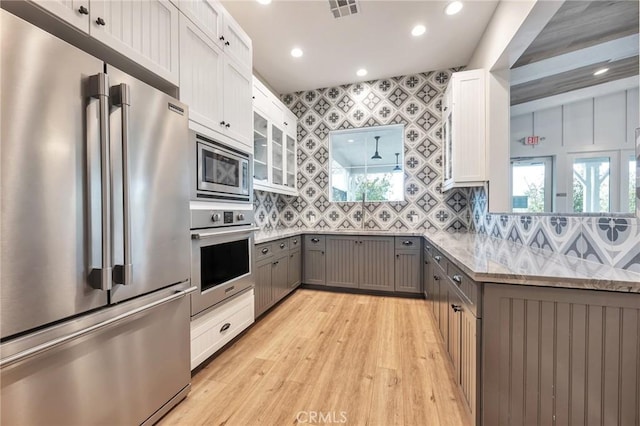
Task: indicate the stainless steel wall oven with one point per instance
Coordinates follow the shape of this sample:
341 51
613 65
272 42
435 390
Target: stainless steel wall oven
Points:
222 243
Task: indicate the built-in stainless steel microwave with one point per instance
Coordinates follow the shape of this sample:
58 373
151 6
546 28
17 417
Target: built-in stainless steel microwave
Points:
222 173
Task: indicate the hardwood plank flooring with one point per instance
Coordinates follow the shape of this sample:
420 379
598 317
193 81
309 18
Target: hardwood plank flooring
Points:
326 358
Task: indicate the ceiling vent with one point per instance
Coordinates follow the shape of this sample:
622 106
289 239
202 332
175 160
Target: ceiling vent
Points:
341 8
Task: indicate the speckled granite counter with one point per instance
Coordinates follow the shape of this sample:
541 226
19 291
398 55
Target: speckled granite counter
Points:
487 259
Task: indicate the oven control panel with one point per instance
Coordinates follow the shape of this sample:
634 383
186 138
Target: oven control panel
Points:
220 218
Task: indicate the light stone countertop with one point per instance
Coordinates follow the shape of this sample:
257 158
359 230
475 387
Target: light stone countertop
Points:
487 259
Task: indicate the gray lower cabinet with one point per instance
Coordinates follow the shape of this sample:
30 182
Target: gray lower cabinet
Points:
454 300
376 266
560 356
314 260
277 272
343 260
360 262
408 271
263 298
294 276
427 278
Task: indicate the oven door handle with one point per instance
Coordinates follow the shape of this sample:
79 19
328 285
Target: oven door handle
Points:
198 236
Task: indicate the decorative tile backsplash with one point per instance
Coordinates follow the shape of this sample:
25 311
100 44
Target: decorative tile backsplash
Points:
608 240
416 102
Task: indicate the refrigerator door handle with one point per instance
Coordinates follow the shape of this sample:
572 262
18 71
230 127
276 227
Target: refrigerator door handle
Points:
36 350
101 275
121 97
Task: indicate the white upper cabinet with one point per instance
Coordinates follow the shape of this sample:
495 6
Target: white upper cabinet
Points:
237 43
213 82
75 12
144 31
237 103
201 75
207 15
464 130
275 143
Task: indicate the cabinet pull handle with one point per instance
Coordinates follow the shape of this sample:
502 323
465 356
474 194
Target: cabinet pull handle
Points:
225 327
226 43
222 38
457 278
281 245
407 243
322 252
286 124
83 10
276 262
427 247
290 255
436 278
222 123
227 125
295 241
101 21
315 240
265 250
438 258
456 308
397 256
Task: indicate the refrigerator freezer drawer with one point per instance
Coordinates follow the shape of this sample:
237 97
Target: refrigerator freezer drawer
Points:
119 374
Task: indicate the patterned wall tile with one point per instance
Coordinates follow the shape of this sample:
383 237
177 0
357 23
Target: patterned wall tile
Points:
414 100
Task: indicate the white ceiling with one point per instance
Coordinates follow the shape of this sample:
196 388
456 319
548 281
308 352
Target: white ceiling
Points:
378 38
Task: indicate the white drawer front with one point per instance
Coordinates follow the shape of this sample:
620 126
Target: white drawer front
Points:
210 332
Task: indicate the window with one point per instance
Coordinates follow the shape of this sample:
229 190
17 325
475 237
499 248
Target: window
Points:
531 185
591 184
367 163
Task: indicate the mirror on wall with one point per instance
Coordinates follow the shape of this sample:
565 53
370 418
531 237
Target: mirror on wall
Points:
574 113
367 164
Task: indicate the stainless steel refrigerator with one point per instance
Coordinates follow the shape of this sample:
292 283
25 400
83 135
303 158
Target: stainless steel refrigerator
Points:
94 238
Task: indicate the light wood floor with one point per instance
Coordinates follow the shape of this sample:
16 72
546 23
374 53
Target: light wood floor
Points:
370 359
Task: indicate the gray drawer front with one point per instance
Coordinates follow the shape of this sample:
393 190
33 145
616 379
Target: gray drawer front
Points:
314 242
439 259
263 251
405 243
295 243
469 288
281 245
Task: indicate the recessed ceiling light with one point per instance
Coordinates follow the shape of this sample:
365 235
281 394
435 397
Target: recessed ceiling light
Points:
296 52
418 30
601 71
349 140
264 1
361 72
453 8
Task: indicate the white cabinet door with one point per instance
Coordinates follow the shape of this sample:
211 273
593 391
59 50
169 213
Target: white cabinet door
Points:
74 12
207 15
144 31
238 103
201 74
237 43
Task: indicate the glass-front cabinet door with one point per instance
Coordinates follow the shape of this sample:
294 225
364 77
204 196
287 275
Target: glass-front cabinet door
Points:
260 147
291 161
277 168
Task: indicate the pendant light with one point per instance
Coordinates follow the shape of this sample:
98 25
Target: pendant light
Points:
376 156
397 167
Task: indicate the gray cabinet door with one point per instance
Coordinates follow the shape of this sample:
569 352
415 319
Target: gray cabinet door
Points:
279 277
469 362
427 278
314 260
443 309
295 269
408 271
376 265
453 308
342 261
560 356
263 286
